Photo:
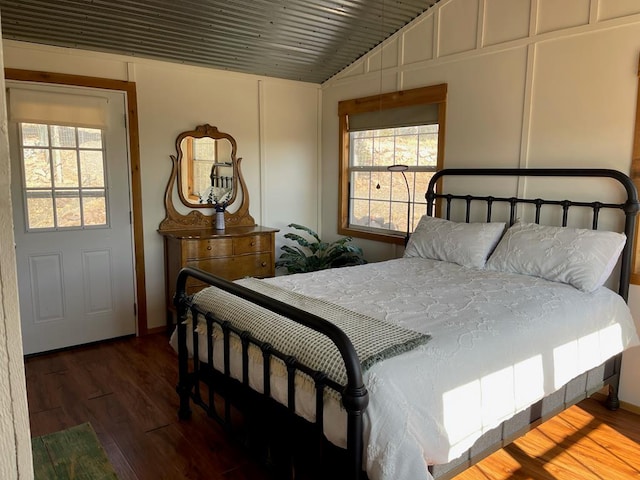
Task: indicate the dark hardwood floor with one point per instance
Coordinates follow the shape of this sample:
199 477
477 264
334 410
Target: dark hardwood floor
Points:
126 389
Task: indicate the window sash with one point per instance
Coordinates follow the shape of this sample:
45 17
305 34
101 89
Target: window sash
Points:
435 96
76 198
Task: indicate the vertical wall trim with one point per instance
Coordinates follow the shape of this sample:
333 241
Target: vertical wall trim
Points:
399 58
482 4
635 175
436 32
526 115
523 161
594 11
400 62
533 18
263 220
131 72
319 163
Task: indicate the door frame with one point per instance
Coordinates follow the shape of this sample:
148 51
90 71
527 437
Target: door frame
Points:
134 160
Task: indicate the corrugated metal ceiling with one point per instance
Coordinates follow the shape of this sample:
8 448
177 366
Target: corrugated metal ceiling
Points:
308 40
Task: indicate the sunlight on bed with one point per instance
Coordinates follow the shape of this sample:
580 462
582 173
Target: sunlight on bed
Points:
481 404
577 356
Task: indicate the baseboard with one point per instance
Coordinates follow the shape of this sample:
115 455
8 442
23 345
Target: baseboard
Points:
629 407
151 331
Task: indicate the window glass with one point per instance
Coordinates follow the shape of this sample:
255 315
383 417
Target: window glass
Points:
64 178
380 199
394 129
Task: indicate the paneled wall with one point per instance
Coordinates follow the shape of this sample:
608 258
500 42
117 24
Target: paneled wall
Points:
275 123
531 83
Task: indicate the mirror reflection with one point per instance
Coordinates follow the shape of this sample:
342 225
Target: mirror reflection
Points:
207 168
207 177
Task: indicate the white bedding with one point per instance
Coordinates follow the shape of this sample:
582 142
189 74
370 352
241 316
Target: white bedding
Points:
500 342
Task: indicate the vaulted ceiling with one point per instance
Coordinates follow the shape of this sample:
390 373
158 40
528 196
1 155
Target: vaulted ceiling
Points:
307 40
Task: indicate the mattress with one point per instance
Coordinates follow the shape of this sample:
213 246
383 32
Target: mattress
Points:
499 343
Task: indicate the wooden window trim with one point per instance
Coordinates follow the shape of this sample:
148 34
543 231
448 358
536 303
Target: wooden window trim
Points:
404 98
635 176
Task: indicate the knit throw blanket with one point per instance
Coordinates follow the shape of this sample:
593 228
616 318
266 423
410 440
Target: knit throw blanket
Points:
373 340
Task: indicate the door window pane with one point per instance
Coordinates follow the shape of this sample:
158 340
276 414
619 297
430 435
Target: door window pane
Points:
63 136
65 168
34 135
74 159
40 210
68 210
92 167
90 138
37 167
94 207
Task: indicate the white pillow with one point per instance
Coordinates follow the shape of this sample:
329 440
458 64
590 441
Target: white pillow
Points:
467 244
580 257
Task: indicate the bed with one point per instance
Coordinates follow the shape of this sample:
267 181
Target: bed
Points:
489 324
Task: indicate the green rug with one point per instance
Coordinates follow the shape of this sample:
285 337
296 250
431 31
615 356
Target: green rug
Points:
71 454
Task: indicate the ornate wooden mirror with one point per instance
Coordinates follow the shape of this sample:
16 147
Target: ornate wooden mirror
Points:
207 160
206 175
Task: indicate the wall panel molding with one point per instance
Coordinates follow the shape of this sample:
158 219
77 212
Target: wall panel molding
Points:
619 13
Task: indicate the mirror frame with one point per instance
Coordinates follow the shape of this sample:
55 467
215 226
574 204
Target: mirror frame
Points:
205 131
196 219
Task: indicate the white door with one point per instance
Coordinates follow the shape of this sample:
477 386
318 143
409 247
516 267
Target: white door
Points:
71 202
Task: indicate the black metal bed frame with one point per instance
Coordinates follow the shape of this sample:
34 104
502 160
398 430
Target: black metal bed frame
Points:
354 394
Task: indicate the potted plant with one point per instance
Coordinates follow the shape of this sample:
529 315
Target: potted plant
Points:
314 254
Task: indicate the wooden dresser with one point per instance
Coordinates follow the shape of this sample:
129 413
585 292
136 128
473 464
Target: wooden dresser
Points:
233 253
216 233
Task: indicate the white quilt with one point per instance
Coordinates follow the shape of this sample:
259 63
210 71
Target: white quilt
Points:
500 342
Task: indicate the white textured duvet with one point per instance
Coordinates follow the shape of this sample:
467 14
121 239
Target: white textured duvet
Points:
500 342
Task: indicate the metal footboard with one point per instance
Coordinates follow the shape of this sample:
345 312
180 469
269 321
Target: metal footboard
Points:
354 394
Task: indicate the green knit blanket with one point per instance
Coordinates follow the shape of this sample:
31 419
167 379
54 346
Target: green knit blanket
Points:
374 340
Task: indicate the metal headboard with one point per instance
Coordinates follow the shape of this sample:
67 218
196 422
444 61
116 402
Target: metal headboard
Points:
630 207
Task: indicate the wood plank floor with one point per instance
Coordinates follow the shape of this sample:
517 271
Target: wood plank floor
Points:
126 390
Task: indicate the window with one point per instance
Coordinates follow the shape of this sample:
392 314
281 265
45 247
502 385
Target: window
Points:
63 177
208 164
201 156
405 129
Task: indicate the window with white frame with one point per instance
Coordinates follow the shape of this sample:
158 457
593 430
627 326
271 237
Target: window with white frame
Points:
391 146
380 199
64 180
63 171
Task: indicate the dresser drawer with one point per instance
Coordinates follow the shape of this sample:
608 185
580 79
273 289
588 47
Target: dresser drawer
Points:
212 247
233 268
252 244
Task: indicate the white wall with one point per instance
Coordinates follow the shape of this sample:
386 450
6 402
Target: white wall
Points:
275 123
15 441
531 83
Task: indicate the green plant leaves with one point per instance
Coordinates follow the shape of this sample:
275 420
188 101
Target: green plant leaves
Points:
313 255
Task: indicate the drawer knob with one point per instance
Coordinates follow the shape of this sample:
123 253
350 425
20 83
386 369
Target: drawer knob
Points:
264 264
253 244
208 247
